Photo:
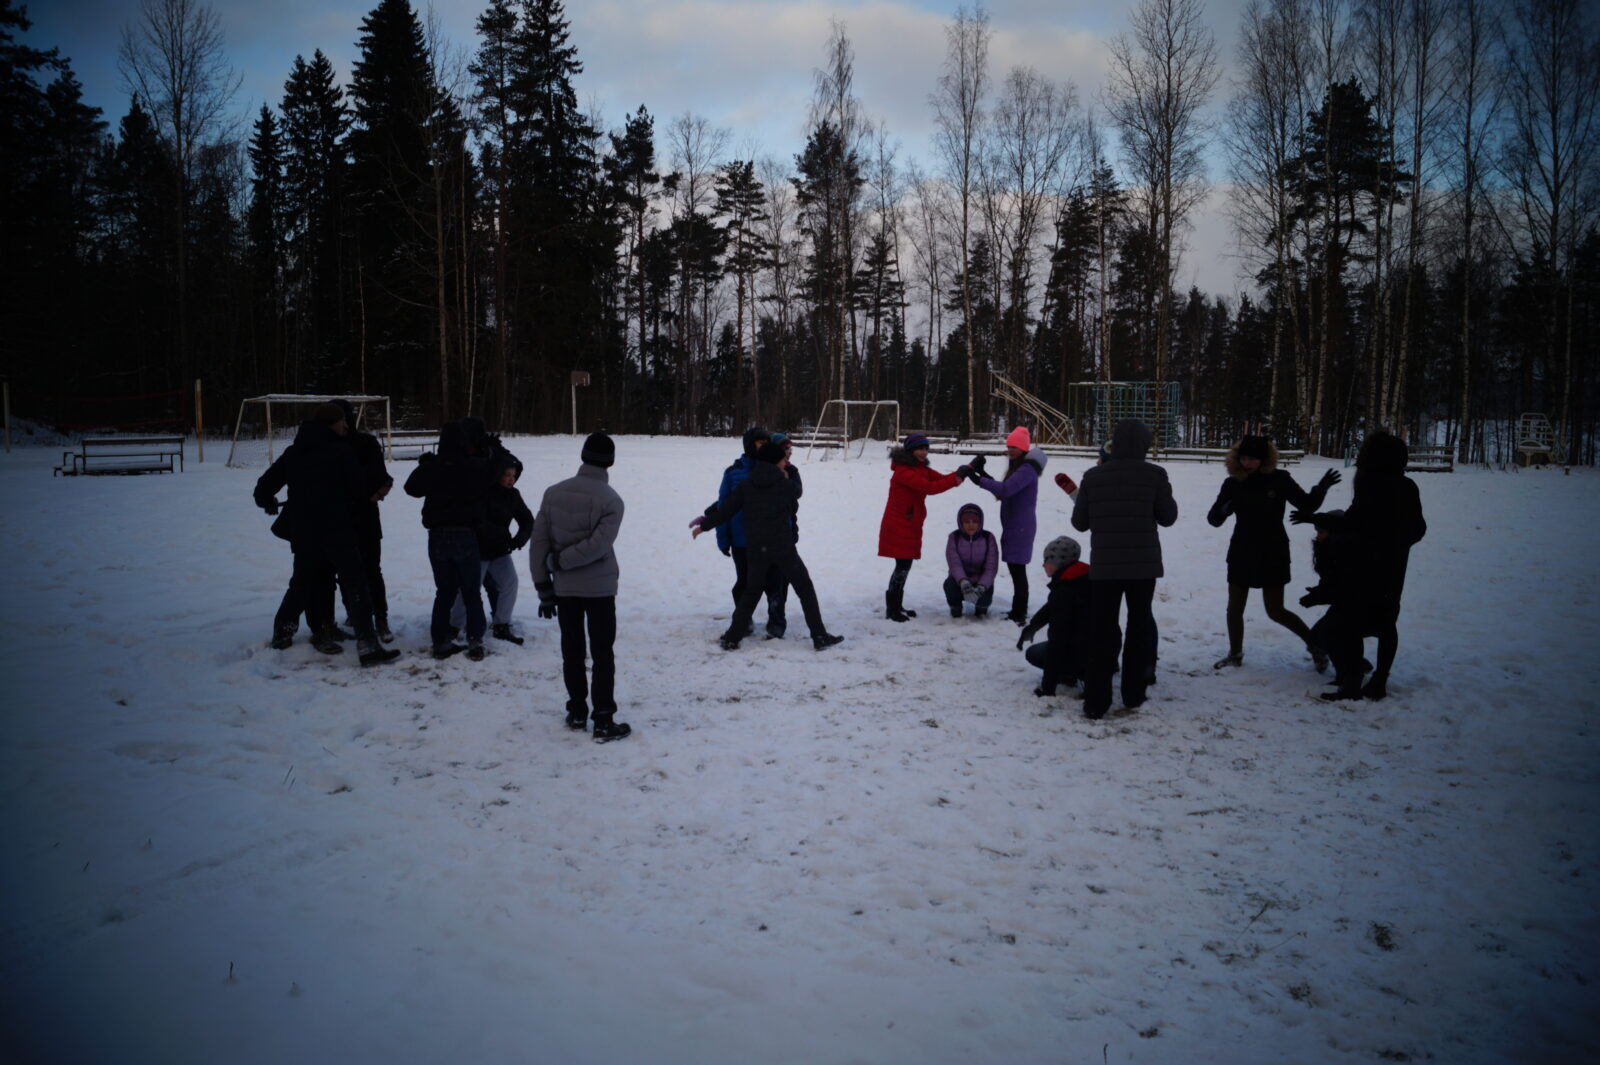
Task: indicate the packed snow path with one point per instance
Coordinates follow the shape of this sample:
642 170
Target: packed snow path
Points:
887 852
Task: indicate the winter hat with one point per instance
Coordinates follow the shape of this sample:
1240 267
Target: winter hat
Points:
1063 551
1383 453
770 451
1254 447
783 440
915 441
598 450
754 437
970 508
327 414
349 411
1019 438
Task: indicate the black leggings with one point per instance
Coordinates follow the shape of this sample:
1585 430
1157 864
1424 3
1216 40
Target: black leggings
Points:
897 579
1272 598
1019 589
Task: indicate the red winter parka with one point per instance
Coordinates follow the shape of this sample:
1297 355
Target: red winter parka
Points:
900 535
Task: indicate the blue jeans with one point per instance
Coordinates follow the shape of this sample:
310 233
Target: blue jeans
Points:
453 554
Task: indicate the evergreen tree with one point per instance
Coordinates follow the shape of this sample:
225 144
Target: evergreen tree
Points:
319 292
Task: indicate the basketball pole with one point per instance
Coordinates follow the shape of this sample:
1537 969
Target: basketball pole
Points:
199 422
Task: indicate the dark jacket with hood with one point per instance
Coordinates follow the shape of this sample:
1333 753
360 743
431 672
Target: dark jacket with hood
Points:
454 484
1258 553
974 558
768 501
1376 532
1120 503
503 507
325 483
1065 619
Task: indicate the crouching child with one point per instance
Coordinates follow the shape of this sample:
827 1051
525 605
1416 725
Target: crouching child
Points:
974 559
1064 655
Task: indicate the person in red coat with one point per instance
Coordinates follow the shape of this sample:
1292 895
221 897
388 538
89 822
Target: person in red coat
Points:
900 534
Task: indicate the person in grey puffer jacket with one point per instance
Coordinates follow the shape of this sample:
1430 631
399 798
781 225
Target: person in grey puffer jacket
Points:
575 573
1120 504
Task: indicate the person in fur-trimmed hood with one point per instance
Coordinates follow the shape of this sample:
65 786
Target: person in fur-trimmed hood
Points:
1255 493
1018 493
974 559
911 482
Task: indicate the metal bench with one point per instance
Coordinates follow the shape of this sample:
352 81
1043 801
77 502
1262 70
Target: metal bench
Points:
1429 459
413 442
123 454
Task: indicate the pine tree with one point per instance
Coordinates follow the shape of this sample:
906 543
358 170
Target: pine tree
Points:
318 292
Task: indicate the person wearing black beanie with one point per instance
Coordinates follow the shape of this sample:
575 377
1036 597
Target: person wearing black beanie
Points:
575 572
731 535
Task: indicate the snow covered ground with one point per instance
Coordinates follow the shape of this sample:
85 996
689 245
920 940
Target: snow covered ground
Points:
887 852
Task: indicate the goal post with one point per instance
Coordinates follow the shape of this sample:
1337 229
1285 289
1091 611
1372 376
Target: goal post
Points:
840 409
284 399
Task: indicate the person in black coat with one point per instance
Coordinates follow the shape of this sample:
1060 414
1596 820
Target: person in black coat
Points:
454 487
1374 535
369 524
769 500
1256 493
324 483
1064 655
496 544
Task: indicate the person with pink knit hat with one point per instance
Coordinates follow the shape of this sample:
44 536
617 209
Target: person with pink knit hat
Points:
1018 493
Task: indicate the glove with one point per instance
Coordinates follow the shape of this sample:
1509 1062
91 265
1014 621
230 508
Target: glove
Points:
1066 484
727 552
963 471
699 519
271 507
519 541
977 465
966 587
1027 636
547 610
1302 517
1329 479
552 562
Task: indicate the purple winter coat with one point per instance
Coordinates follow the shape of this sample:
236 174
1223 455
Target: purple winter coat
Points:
1018 494
972 558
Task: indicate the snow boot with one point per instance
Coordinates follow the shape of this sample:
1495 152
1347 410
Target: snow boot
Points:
324 641
826 639
777 623
339 634
894 607
1319 657
445 650
606 728
502 631
577 716
381 627
475 650
1342 693
374 653
1377 687
1232 658
955 612
282 639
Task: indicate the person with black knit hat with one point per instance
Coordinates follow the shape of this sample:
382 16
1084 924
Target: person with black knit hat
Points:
1255 493
768 499
574 562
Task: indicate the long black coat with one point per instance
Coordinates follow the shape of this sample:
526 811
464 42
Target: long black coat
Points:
1120 503
454 485
768 499
325 483
1375 536
1258 553
369 456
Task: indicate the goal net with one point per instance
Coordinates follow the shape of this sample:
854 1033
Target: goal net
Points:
267 424
847 424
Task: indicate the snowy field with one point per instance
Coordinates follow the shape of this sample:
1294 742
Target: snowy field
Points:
888 852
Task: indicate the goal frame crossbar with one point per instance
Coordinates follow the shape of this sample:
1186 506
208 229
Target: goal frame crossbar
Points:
845 405
286 398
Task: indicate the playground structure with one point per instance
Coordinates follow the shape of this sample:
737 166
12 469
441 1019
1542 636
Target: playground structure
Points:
1097 406
1050 426
1538 443
289 400
836 437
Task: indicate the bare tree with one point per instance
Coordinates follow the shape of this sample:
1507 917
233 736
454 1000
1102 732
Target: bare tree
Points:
958 111
1161 75
172 61
834 105
783 253
927 237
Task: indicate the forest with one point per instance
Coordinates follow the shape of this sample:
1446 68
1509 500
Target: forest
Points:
1413 188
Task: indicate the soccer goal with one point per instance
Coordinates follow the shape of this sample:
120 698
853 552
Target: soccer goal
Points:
288 423
836 426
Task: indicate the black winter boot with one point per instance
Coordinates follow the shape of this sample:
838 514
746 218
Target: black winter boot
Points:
607 729
381 627
826 640
475 650
502 631
282 639
324 641
374 653
893 608
577 716
1232 658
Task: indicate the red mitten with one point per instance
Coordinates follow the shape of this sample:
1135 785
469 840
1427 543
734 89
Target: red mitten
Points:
1066 484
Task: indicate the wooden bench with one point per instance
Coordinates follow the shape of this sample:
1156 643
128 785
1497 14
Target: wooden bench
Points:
809 436
940 441
414 442
123 454
1429 459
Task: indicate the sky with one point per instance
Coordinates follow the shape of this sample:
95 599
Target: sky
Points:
746 66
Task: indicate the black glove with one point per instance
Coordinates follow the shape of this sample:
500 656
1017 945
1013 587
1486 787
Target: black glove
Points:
727 552
1302 517
271 506
1329 479
518 541
963 471
1026 637
552 562
547 609
977 465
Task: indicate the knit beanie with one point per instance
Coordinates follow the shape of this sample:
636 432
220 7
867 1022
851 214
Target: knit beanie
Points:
915 441
1254 447
598 450
770 452
1019 438
754 437
1063 551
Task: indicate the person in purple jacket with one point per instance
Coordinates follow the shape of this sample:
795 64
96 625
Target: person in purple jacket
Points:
974 560
1018 493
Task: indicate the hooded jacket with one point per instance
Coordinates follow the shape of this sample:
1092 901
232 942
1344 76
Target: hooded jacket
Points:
503 507
973 558
454 484
325 485
767 500
1258 552
910 485
1377 531
1065 618
1120 503
1018 493
578 522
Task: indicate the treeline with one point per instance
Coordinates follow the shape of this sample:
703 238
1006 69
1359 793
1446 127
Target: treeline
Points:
1413 185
